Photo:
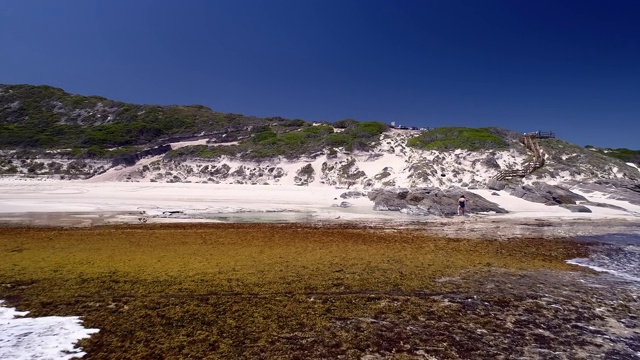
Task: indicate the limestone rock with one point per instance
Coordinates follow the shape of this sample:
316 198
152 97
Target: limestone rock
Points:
621 189
576 208
494 184
602 205
545 193
344 204
352 194
388 199
429 201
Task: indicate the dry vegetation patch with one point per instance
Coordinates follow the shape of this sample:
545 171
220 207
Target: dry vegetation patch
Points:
270 291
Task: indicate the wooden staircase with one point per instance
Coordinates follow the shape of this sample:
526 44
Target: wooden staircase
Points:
531 143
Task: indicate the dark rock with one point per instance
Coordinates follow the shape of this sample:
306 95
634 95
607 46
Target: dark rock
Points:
494 184
221 171
429 201
495 193
416 196
545 194
403 193
391 199
617 189
559 194
352 194
603 205
525 192
576 208
491 163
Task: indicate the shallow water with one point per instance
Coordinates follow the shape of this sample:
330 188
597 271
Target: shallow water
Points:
617 254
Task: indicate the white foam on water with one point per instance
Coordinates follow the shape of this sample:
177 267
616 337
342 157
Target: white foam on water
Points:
50 337
584 262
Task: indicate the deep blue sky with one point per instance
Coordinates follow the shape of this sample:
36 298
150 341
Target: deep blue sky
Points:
572 67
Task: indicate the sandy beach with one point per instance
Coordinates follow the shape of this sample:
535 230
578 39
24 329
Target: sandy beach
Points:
87 203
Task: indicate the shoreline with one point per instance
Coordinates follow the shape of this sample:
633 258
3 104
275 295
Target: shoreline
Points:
493 227
83 203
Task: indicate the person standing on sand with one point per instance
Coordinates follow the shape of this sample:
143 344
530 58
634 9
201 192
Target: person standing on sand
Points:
462 202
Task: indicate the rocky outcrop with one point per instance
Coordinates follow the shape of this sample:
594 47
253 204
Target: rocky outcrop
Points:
429 201
544 193
602 205
305 175
54 167
354 194
618 189
494 184
576 208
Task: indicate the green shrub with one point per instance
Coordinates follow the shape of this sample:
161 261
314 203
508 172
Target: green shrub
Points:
338 139
366 129
96 151
343 124
294 123
319 130
292 138
264 135
451 138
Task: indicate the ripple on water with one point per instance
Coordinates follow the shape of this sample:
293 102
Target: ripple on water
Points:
616 254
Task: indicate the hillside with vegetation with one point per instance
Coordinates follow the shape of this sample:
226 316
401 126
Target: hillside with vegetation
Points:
266 142
626 155
48 117
45 131
44 117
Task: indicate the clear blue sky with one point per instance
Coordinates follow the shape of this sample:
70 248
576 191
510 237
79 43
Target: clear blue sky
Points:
572 67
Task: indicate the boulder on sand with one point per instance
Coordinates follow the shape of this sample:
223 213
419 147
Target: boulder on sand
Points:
354 194
429 201
576 208
544 193
494 184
